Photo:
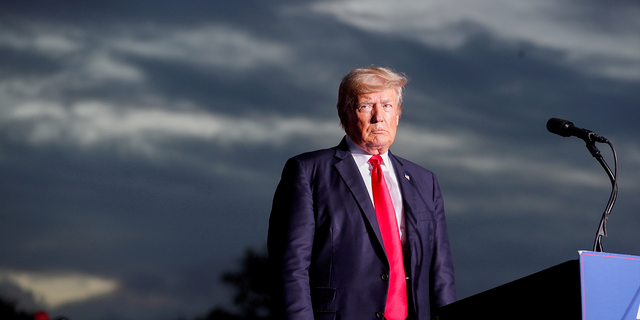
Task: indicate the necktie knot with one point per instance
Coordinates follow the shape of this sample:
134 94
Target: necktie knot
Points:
375 160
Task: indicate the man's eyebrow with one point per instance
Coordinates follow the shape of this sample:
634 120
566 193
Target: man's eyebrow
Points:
386 100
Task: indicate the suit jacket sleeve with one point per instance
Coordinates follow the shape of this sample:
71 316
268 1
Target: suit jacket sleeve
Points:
290 242
443 280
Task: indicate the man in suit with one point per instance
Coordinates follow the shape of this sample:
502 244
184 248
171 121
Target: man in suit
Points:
355 232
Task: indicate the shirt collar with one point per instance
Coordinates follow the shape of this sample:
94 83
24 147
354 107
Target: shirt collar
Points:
362 157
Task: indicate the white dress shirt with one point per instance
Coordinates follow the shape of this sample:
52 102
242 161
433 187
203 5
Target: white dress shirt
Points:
362 161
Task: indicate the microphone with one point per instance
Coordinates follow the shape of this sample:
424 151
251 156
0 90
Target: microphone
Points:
566 128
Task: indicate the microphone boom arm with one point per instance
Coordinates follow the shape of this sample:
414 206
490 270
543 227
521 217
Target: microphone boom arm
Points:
602 227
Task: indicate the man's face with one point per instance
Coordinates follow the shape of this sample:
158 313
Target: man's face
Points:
373 127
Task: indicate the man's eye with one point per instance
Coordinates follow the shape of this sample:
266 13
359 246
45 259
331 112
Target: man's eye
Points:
387 106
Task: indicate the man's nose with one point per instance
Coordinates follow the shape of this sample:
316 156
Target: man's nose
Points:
376 113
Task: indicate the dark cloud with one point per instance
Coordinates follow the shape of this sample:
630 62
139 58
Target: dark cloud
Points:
123 11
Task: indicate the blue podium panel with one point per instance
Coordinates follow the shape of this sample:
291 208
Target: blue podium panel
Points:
610 285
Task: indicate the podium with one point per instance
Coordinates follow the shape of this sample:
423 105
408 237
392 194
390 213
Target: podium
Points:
596 286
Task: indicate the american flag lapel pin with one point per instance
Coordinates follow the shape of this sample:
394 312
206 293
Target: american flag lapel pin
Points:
407 176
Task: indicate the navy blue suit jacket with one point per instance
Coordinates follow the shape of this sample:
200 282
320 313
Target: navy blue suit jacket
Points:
325 246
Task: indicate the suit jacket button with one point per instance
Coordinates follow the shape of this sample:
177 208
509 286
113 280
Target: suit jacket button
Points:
380 314
384 276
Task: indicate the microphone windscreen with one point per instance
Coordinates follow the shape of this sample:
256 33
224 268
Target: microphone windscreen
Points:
559 126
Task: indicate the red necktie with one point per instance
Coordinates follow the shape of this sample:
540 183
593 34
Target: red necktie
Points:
396 307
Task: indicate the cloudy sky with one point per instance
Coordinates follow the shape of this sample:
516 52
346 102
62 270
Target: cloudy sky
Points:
141 142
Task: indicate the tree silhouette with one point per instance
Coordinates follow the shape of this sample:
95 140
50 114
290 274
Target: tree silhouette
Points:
252 298
9 311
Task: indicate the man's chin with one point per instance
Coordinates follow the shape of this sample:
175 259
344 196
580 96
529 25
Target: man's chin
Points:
381 140
378 144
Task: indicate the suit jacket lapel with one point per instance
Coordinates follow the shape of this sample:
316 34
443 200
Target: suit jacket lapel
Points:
410 195
353 179
410 198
